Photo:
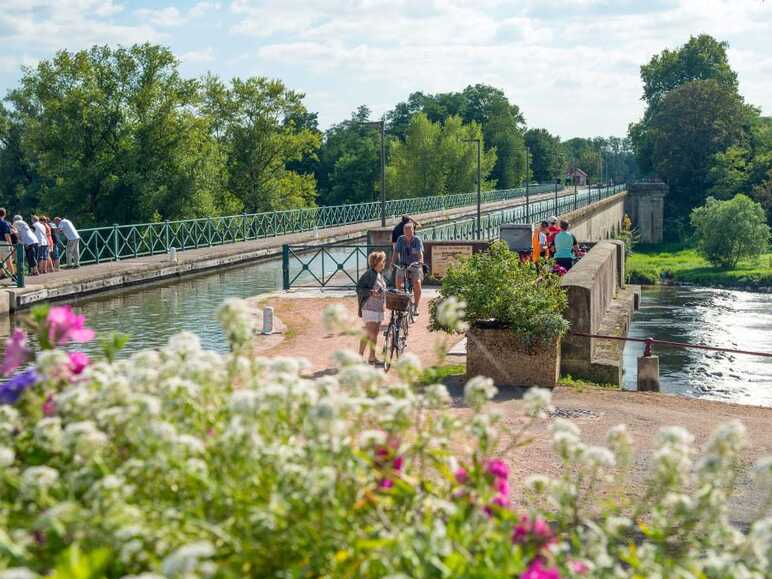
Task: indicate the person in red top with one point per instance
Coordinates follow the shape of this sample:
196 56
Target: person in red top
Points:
552 231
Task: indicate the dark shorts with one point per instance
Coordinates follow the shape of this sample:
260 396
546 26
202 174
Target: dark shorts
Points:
564 262
55 251
42 252
31 252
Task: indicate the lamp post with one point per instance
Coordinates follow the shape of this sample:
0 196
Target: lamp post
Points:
479 181
381 125
527 198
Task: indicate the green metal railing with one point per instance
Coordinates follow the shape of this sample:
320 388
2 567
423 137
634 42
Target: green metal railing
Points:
101 244
333 265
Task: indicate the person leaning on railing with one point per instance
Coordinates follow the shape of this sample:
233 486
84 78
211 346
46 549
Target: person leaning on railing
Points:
67 229
30 242
7 248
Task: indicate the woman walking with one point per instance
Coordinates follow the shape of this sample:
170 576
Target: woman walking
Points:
371 293
53 249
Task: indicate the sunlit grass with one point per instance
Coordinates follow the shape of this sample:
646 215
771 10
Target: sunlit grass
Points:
681 263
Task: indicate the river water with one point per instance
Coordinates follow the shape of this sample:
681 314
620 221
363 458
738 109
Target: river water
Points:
714 317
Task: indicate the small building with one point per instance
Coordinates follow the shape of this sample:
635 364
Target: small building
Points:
576 176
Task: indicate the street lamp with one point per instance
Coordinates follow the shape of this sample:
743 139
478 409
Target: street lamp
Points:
527 178
381 125
479 180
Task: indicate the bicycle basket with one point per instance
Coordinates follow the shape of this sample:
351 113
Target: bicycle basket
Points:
398 301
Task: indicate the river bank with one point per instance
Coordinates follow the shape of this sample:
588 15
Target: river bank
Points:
680 264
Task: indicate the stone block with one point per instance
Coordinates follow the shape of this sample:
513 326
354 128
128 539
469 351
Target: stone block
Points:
500 355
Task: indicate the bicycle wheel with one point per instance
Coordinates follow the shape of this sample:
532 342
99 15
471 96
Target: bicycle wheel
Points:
390 337
402 330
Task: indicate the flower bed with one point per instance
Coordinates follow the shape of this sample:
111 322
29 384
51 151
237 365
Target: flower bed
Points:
180 462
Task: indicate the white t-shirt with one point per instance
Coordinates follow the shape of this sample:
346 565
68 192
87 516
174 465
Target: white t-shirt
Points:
40 231
26 234
542 239
66 226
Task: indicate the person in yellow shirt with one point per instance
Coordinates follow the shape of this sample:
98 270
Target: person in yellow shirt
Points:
539 242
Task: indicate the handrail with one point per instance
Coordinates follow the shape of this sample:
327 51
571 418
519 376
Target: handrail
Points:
651 341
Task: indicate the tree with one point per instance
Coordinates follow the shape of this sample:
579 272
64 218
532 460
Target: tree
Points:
112 137
349 161
692 124
701 58
435 160
548 157
728 231
254 120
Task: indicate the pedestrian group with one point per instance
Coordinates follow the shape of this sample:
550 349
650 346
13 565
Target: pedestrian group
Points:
45 243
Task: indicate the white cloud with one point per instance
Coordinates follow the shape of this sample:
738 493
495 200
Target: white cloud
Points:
198 56
171 16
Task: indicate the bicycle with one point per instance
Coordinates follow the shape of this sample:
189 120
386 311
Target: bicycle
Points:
395 336
408 286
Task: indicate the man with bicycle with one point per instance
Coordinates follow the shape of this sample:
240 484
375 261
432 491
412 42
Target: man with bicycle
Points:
409 255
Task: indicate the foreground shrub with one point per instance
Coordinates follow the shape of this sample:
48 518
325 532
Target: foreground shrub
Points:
180 462
497 287
728 231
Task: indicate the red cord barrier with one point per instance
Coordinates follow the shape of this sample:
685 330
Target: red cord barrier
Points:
651 341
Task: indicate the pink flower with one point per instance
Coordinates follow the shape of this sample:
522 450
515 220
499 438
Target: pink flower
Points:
461 475
386 483
497 468
526 530
578 567
397 464
49 406
78 362
537 571
501 501
17 352
502 486
65 326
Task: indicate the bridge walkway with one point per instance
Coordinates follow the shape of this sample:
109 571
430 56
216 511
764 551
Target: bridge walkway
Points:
71 283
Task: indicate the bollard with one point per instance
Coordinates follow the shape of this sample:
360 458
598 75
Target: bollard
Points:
172 255
648 373
267 320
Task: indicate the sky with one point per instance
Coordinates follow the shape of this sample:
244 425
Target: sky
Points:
572 66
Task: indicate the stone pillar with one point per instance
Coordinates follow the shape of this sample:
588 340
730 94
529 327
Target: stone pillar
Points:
645 204
648 374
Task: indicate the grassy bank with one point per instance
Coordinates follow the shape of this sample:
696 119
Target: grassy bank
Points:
681 263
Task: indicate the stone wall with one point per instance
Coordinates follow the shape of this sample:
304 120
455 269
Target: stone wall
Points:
601 220
645 203
598 303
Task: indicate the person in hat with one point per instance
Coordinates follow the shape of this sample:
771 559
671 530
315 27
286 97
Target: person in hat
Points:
552 231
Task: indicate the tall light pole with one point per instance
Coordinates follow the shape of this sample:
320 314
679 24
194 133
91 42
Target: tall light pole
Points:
527 178
479 181
381 125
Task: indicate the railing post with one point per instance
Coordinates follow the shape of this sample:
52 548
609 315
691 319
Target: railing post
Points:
285 267
556 198
115 241
166 235
244 222
19 265
209 230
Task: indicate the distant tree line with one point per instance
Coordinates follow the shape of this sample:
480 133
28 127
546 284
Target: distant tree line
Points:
698 134
118 135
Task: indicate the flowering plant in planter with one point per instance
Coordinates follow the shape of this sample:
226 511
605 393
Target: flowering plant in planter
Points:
180 462
501 291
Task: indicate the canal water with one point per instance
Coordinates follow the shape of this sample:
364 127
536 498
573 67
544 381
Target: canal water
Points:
714 317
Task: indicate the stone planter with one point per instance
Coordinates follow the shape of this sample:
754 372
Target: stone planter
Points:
499 354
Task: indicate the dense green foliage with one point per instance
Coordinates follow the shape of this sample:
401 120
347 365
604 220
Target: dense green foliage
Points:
728 231
682 263
118 135
497 287
698 134
437 159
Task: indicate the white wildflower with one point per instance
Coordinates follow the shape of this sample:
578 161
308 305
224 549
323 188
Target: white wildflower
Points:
146 405
616 525
244 402
372 438
288 365
762 469
345 358
9 422
186 559
563 425
164 431
184 345
450 315
437 396
478 391
7 456
52 365
336 318
191 444
237 321
598 457
675 435
537 484
409 368
680 504
538 401
48 433
197 467
40 477
18 573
